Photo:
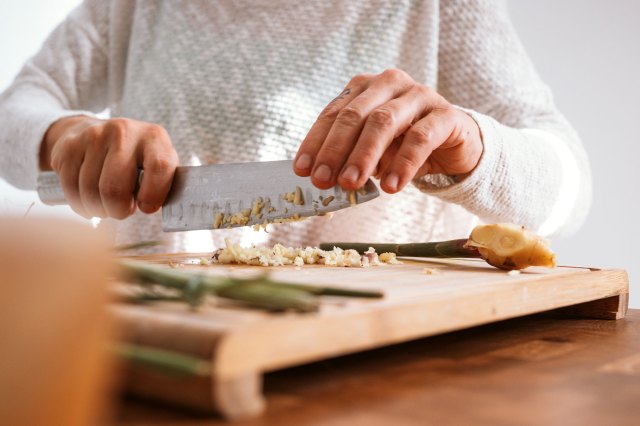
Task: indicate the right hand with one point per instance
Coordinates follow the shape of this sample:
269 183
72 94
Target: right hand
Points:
98 161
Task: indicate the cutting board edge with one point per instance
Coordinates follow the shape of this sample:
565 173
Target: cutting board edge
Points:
233 348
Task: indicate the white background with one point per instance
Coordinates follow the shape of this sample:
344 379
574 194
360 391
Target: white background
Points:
588 51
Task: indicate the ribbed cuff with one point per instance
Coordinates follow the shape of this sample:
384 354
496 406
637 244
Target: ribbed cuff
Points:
26 166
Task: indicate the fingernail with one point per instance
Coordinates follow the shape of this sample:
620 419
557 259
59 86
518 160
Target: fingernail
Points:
351 173
391 181
323 173
304 161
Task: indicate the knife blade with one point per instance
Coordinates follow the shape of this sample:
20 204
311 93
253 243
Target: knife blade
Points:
223 196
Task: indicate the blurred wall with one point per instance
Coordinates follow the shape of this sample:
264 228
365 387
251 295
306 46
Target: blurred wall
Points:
587 51
24 24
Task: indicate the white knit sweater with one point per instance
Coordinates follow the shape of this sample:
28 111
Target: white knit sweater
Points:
243 80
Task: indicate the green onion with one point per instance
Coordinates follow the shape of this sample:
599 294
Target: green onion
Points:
260 292
452 248
163 360
134 246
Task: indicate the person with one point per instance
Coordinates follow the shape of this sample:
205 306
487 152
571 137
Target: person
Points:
437 99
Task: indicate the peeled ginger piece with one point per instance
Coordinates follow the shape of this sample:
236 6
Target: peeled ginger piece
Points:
508 246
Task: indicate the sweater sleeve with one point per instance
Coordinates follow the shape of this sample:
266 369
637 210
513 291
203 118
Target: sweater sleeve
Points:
68 76
533 170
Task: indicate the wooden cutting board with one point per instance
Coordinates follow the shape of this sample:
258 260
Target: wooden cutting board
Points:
244 343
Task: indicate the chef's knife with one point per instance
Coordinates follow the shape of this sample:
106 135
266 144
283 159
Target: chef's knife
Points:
223 196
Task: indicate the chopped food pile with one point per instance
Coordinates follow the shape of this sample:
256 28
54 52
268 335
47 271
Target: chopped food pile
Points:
280 255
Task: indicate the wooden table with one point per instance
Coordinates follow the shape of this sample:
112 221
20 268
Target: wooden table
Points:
542 369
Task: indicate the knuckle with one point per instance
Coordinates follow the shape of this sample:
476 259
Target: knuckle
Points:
330 113
364 157
395 74
422 90
329 153
359 79
93 132
160 163
441 103
406 162
382 118
117 131
118 123
156 132
418 135
448 112
112 190
350 116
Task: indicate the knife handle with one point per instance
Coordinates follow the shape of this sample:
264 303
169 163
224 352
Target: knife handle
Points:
50 189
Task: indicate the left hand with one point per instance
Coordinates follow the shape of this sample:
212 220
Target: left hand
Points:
391 127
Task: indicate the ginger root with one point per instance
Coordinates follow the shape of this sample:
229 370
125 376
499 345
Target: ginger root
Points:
509 247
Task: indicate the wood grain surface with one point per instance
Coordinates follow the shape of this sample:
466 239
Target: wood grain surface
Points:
242 344
543 369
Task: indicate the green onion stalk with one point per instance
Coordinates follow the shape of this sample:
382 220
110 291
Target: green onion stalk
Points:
442 249
260 292
164 361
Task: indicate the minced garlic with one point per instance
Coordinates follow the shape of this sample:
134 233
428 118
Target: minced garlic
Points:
328 200
298 198
260 205
241 218
389 258
295 218
257 207
352 197
280 255
217 221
